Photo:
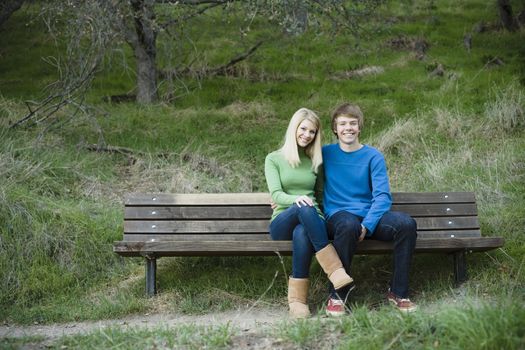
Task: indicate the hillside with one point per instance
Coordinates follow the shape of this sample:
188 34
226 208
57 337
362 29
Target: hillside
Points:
447 117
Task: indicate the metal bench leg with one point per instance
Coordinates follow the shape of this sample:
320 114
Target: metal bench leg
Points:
151 272
460 267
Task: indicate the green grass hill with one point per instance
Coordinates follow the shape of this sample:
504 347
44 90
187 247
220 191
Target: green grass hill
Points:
446 117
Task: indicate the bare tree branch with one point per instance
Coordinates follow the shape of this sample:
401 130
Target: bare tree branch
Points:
224 68
192 15
113 149
220 70
87 37
100 23
195 2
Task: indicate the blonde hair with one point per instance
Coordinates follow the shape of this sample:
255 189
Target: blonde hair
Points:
313 150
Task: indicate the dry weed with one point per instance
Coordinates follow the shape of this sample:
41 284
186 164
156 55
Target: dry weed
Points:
402 138
254 108
10 111
507 111
359 73
450 123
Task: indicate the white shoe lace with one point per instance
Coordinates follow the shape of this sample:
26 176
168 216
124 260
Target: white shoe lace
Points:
336 302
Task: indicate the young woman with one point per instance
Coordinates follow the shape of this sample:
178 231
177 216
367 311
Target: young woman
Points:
291 174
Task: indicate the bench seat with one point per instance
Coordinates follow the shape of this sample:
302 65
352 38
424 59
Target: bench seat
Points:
236 224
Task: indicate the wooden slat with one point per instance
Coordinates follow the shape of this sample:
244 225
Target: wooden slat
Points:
202 248
440 223
204 226
448 234
445 209
284 247
264 198
197 199
264 211
194 212
430 245
241 226
433 197
137 237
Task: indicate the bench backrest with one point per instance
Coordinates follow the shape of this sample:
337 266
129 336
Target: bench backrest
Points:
245 216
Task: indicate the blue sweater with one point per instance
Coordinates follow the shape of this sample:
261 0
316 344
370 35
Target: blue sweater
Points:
356 182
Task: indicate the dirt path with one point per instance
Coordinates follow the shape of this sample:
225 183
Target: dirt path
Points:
253 321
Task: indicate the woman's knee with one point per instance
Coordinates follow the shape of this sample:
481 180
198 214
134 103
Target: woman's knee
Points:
301 241
307 210
300 236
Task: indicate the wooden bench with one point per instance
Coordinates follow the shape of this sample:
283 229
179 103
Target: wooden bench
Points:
157 225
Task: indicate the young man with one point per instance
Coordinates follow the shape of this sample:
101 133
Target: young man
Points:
357 202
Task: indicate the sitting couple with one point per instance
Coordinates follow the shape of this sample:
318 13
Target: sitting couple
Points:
349 181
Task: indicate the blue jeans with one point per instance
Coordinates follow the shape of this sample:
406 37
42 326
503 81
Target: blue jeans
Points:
345 228
306 229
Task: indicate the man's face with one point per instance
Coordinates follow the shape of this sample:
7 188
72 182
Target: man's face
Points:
347 130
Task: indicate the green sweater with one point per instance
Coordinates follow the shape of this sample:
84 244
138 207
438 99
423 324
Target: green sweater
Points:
286 184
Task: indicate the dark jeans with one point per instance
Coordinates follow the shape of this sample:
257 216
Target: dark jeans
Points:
345 228
306 229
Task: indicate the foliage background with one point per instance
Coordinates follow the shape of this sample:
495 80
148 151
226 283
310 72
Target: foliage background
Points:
60 203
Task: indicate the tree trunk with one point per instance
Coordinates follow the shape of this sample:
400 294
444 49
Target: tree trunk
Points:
301 17
297 13
505 15
7 7
144 43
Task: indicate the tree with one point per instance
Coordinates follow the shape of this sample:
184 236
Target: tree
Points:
93 27
7 7
138 22
292 15
505 15
143 40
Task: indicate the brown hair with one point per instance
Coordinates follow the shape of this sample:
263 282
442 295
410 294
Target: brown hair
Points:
347 110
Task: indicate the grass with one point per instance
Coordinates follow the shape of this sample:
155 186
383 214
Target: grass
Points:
187 337
17 343
60 204
471 326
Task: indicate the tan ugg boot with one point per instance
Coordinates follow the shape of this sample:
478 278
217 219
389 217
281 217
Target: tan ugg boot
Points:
332 266
297 295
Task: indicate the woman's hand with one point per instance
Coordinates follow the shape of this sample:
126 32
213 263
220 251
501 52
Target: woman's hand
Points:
304 201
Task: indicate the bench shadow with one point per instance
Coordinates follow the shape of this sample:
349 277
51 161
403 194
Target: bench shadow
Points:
197 285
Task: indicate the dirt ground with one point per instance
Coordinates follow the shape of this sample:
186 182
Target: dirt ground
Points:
251 325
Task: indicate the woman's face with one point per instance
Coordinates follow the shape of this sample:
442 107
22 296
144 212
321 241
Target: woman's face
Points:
305 134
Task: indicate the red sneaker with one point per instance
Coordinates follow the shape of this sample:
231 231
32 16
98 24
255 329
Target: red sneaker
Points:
335 307
402 304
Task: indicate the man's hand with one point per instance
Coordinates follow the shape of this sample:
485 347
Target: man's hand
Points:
304 201
272 205
363 233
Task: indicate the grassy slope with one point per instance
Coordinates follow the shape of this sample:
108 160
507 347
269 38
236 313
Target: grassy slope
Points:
60 204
